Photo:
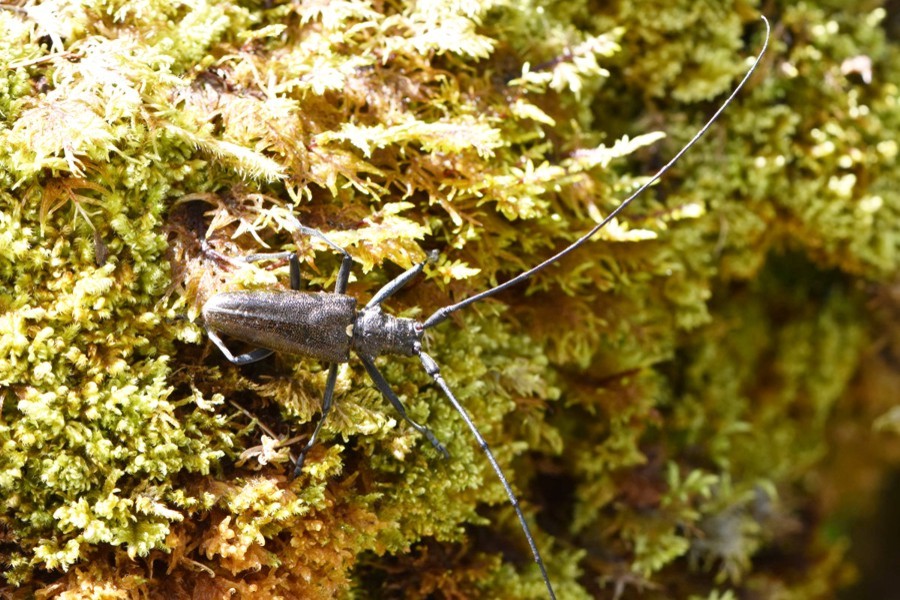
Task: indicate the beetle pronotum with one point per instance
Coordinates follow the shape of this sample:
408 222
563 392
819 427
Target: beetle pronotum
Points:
328 326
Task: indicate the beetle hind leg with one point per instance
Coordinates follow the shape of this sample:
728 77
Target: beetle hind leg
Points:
241 359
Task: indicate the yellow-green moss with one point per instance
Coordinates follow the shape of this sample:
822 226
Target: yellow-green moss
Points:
661 398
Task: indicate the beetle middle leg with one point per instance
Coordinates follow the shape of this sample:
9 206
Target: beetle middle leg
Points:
375 375
327 403
343 276
340 287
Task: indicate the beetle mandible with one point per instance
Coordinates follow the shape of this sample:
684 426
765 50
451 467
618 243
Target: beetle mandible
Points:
328 326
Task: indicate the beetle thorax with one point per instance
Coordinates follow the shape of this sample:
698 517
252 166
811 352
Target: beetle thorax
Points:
375 333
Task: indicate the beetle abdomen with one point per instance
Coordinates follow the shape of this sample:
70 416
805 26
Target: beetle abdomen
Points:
317 325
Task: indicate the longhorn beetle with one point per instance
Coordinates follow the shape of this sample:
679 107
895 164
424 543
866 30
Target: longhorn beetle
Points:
328 326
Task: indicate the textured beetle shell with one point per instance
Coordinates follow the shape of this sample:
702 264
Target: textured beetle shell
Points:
317 325
376 333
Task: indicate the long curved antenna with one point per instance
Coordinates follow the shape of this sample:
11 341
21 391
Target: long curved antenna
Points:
431 367
441 314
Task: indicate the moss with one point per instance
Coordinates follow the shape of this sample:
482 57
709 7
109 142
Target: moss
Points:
663 399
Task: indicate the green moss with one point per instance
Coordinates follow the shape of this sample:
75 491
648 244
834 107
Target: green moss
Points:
663 399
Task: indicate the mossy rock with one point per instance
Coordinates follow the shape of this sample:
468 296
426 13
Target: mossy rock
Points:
671 401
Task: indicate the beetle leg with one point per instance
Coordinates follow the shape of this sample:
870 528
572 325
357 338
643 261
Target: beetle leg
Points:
343 276
267 256
346 262
327 403
241 359
391 287
296 282
385 388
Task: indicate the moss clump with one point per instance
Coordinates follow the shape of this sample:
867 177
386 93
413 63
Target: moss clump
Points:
663 398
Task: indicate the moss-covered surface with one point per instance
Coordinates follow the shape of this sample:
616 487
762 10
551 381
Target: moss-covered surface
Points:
685 405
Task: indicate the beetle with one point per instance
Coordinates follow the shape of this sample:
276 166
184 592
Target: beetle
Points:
329 327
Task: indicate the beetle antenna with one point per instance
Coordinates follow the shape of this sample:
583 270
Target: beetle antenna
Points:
441 314
431 367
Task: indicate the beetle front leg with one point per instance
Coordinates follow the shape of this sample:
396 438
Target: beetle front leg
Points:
393 286
385 388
